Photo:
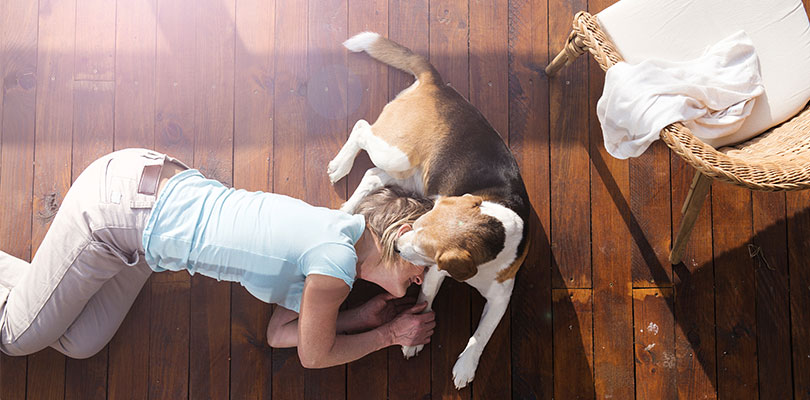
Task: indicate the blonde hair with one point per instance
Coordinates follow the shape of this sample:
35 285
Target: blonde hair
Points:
386 210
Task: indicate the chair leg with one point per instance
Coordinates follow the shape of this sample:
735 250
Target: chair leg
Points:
574 47
691 208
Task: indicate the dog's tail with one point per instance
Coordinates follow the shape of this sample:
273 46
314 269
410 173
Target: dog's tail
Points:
395 55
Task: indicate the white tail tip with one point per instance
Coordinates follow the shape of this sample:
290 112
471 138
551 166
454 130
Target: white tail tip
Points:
361 41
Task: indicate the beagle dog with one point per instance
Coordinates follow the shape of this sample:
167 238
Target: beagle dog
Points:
431 140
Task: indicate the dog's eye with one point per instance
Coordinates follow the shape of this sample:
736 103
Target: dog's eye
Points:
396 249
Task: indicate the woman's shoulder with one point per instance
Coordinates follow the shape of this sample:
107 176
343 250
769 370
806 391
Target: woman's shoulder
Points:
335 259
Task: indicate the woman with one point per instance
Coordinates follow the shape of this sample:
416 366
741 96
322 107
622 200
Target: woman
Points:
138 203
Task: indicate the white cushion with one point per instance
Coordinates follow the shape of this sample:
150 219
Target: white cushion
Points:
681 30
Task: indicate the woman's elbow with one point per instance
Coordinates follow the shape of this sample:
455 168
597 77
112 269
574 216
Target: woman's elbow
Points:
311 360
309 363
274 337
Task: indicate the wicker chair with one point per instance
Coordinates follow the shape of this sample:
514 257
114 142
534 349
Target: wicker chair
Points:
776 160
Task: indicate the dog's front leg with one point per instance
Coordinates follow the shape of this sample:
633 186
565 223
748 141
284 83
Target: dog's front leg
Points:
374 178
497 295
430 287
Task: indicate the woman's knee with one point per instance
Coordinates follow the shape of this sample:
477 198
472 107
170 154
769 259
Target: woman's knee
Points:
15 351
78 350
21 346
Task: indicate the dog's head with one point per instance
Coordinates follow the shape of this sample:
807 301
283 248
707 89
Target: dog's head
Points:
460 233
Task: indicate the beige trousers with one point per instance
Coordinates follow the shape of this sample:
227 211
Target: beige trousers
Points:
88 270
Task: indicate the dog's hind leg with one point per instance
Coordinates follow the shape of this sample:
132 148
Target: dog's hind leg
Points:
376 178
497 295
342 163
430 287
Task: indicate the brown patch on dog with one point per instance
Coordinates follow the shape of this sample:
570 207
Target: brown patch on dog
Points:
413 124
459 236
511 271
458 263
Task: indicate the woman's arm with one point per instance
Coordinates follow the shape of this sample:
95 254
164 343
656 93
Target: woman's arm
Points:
282 330
318 344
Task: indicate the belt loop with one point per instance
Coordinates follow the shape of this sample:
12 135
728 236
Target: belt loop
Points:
176 161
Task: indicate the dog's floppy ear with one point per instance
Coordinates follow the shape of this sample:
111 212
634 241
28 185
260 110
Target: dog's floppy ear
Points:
458 263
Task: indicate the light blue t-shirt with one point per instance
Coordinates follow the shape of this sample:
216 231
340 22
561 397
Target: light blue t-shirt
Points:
267 242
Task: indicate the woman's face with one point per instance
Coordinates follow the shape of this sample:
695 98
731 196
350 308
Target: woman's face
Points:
395 279
405 274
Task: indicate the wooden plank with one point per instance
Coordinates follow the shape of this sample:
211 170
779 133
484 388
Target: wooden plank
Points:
694 296
649 201
612 235
134 114
54 111
135 35
290 110
449 30
449 38
799 250
367 94
573 343
168 338
654 344
531 322
92 138
489 63
129 350
489 93
54 123
570 219
209 365
612 278
18 66
735 289
326 131
174 135
326 95
95 40
367 378
798 230
409 26
92 123
772 295
46 375
251 357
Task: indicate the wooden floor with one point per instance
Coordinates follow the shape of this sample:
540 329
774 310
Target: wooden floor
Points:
260 94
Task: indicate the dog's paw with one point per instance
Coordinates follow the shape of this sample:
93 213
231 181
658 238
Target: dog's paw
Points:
410 351
337 169
464 370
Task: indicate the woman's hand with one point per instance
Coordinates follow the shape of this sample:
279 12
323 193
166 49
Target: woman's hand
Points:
411 328
381 309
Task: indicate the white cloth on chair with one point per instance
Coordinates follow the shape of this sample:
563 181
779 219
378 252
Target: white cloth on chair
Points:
712 94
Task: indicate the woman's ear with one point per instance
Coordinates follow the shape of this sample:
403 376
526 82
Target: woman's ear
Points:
404 228
458 263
